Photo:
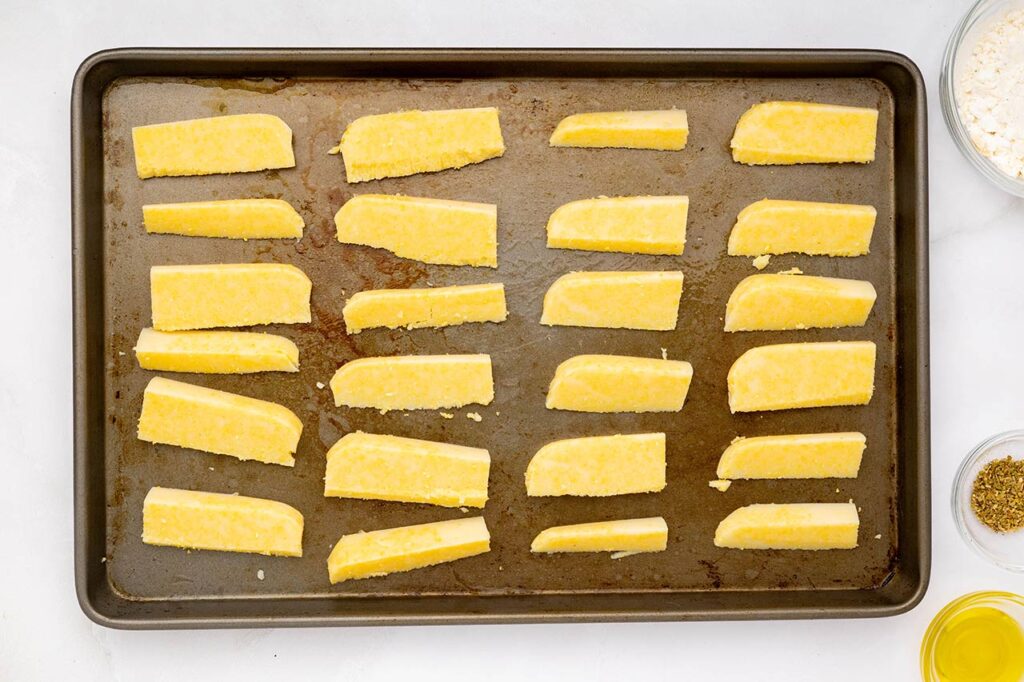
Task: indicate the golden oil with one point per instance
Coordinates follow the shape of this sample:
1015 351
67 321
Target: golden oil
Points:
976 639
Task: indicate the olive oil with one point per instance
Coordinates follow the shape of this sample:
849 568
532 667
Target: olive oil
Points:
979 644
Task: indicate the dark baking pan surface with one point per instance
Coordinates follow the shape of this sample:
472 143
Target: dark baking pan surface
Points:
124 583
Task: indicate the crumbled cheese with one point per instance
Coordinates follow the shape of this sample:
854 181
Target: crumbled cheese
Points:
720 485
990 94
664 353
878 537
475 416
260 574
447 415
622 555
761 262
320 385
792 271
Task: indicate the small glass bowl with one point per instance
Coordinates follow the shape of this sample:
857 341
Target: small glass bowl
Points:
1005 550
1007 602
960 45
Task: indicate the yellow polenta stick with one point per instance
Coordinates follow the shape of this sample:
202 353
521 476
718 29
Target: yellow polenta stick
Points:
784 133
229 523
614 300
200 418
655 225
215 352
409 142
666 129
627 536
203 146
233 219
380 552
617 383
772 226
369 466
811 455
772 302
414 382
794 375
428 230
790 526
228 295
598 466
430 307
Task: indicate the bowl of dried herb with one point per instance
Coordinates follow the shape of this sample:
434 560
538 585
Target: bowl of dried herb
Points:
988 500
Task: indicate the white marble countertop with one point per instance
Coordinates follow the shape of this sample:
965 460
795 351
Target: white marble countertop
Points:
977 238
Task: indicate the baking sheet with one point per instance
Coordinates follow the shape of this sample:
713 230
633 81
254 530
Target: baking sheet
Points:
527 184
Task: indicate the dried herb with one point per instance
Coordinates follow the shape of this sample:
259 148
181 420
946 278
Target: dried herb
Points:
997 497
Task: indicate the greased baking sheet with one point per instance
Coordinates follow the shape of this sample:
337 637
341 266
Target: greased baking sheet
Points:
131 584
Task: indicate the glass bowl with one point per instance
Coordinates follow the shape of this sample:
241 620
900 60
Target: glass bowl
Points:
1005 550
977 20
943 632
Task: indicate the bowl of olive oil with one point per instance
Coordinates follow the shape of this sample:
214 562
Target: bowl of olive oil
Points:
976 638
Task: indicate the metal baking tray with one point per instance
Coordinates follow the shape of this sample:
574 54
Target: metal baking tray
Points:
123 583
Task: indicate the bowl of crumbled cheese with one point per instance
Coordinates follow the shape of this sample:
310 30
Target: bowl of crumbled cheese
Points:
982 90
